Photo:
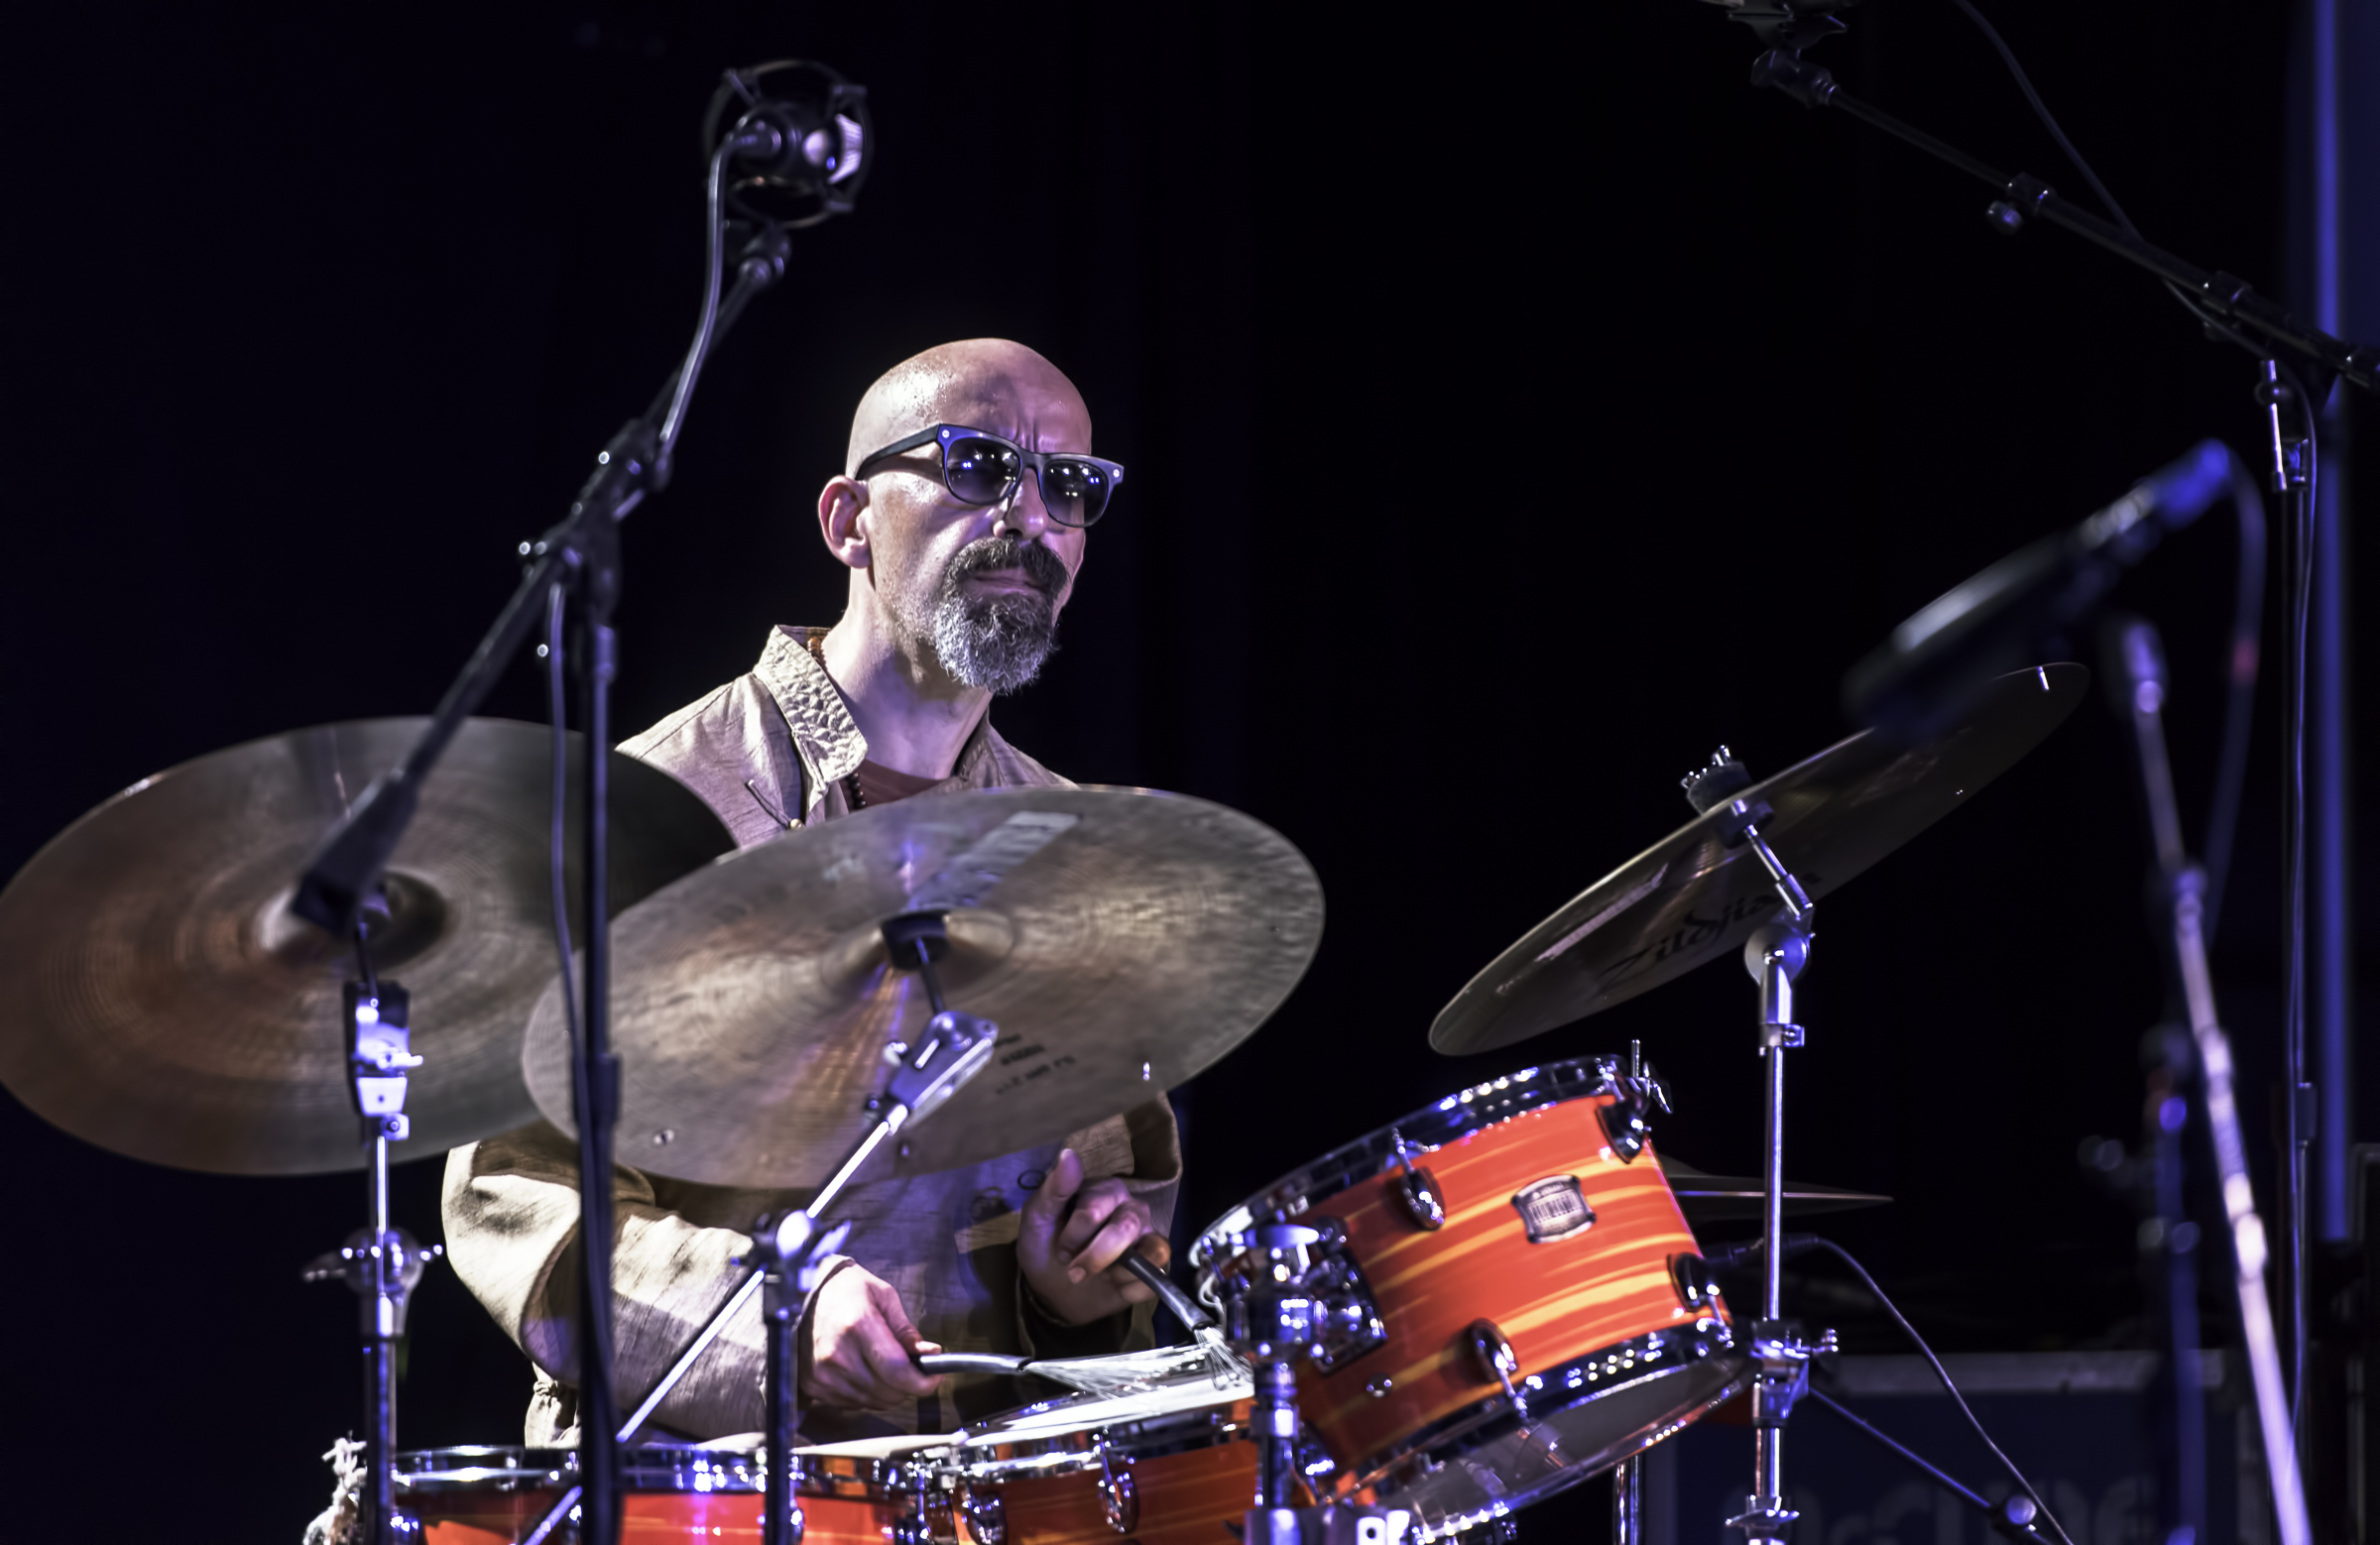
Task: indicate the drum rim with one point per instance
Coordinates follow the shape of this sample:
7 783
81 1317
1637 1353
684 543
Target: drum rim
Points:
1475 1426
982 1460
513 1466
1464 1113
1454 1525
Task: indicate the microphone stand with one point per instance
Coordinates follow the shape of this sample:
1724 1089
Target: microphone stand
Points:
581 555
2181 889
2311 361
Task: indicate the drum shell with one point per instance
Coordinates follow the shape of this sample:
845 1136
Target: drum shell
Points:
1556 1301
1199 1497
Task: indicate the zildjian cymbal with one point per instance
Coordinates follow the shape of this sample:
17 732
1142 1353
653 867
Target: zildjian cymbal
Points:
162 1001
1121 939
1692 897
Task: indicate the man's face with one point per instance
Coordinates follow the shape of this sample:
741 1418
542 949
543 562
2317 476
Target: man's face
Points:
984 584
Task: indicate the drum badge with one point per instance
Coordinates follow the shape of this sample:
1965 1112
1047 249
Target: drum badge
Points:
1553 1209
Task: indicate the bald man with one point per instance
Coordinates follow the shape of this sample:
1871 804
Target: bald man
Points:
960 514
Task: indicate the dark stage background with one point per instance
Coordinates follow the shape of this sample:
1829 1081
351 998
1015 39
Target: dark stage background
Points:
1514 413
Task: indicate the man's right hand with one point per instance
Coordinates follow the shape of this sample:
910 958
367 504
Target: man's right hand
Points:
857 1357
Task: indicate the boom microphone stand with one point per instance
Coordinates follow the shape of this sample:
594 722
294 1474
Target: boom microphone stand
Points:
2311 361
802 139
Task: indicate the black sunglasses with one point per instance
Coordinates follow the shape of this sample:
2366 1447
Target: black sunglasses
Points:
981 469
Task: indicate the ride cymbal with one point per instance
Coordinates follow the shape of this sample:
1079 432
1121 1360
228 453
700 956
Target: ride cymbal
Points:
163 1001
1121 939
1690 897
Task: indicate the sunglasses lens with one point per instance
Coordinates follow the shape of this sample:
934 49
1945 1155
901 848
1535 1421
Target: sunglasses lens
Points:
1074 492
979 471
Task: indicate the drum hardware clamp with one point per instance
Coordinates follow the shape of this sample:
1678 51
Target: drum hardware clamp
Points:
1277 1310
1627 1120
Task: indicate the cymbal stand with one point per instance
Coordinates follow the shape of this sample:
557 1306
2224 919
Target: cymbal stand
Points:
379 1263
781 1266
1774 955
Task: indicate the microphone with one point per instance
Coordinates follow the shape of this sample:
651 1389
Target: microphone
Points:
1921 679
801 140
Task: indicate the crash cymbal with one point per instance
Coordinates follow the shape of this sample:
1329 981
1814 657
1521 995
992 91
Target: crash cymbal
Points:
1707 1198
1121 939
161 1000
1690 897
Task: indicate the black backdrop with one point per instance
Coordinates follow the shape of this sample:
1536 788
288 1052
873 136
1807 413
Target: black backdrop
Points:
1515 411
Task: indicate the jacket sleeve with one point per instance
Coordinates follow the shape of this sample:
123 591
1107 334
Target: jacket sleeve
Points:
511 1212
1142 1147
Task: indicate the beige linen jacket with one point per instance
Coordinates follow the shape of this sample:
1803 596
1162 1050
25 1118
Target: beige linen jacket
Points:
779 739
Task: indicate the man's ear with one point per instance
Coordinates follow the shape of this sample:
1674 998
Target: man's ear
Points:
840 504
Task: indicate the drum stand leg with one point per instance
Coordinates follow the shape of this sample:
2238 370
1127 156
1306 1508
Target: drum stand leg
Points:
1627 1502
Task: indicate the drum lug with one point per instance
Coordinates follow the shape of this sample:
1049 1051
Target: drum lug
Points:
1496 1358
1119 1495
986 1518
1698 1287
1417 1189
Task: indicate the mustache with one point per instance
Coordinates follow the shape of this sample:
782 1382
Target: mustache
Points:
1043 568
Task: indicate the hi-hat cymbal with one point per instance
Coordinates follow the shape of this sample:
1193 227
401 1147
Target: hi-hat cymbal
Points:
162 1001
1121 939
1707 1198
1690 897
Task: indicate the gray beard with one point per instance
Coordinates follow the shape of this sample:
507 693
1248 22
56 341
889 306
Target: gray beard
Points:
997 643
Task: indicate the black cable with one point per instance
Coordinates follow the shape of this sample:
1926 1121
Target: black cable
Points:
2040 110
2247 610
1794 1243
2301 605
1944 1375
682 390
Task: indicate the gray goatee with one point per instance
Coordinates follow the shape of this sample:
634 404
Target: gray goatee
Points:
998 641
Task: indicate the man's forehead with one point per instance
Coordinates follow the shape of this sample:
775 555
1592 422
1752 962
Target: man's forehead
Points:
1028 411
985 383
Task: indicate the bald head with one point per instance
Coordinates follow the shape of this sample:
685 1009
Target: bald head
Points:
981 383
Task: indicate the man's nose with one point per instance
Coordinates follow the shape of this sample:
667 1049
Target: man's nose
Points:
1022 513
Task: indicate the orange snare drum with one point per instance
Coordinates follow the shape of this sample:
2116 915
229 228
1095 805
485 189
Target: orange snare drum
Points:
1525 1223
496 1496
1167 1466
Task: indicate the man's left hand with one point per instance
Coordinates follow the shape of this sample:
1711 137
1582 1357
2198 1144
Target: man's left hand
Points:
1071 1242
